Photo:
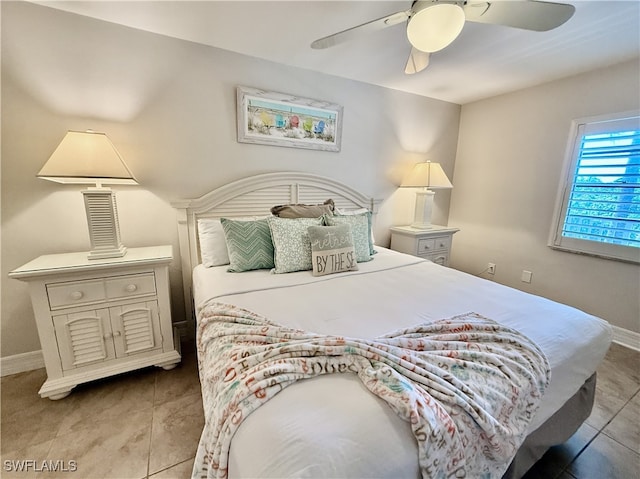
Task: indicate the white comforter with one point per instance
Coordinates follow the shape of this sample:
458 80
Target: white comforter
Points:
309 430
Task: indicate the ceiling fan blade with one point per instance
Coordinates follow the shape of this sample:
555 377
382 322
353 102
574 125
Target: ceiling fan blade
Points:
528 15
354 32
416 62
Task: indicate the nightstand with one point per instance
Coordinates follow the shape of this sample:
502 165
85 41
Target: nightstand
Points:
433 244
97 318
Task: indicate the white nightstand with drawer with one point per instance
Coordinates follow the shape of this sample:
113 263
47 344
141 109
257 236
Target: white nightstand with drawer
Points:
433 244
97 318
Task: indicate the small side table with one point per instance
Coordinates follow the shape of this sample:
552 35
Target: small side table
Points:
97 318
433 244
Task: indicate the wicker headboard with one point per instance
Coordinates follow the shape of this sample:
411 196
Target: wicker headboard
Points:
251 196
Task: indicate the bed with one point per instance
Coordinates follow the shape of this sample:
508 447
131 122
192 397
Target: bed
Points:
331 425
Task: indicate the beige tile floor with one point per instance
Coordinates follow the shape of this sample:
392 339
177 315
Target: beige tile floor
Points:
147 425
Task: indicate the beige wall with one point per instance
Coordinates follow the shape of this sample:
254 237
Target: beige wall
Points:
169 107
510 156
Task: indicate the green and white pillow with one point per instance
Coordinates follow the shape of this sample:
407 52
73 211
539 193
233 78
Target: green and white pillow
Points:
291 246
361 234
332 249
360 211
249 244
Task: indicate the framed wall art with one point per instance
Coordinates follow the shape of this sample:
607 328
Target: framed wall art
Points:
278 119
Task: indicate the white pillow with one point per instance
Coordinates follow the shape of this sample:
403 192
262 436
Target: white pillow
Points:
213 247
355 211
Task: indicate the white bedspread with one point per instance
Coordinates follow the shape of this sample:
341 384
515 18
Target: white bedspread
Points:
309 430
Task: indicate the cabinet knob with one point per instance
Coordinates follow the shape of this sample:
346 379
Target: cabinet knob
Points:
108 336
130 288
117 333
76 295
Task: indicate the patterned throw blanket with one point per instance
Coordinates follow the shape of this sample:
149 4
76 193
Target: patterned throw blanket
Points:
468 386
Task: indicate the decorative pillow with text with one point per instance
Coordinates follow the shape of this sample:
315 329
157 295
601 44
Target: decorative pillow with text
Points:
332 249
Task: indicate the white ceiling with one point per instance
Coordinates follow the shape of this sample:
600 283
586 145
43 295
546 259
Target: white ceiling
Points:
485 60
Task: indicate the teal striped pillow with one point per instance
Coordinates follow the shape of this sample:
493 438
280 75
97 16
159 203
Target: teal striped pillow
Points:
249 244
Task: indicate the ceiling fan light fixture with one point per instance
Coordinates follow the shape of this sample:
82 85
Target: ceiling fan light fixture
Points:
435 26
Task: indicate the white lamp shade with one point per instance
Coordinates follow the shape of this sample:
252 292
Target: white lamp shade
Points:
435 25
86 157
427 175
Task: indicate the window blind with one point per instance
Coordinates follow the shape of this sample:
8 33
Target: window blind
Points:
598 206
604 202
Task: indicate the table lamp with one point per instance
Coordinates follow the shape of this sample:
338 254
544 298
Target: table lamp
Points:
428 176
89 157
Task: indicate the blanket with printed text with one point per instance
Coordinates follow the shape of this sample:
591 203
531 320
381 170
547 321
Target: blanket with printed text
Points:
467 385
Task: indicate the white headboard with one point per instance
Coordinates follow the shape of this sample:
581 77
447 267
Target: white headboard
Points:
252 196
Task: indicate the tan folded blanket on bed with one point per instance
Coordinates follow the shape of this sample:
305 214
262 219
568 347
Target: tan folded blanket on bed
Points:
467 385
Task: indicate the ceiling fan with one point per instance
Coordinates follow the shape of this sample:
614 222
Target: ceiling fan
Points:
434 24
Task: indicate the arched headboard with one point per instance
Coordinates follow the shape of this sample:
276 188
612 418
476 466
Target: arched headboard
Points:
254 196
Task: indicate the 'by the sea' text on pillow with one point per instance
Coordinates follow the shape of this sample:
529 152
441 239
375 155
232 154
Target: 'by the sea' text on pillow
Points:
332 249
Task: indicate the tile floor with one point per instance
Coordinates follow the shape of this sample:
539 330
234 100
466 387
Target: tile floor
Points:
147 425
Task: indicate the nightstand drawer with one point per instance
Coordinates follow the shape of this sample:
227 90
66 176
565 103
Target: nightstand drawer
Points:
442 243
134 285
63 295
438 258
429 245
426 246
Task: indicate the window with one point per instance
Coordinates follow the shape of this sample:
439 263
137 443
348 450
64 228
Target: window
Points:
598 210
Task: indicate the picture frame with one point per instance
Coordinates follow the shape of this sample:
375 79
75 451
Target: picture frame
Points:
278 119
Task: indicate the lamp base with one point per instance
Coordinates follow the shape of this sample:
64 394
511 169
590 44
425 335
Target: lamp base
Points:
108 253
102 218
421 226
424 206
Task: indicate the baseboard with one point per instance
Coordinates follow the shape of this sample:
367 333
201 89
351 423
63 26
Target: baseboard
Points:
19 363
624 337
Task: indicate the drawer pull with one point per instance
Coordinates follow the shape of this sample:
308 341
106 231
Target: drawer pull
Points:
131 288
76 295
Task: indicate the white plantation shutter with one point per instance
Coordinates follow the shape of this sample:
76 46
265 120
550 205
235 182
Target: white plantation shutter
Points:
599 208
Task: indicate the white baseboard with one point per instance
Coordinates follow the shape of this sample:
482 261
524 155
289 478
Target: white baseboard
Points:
624 337
19 363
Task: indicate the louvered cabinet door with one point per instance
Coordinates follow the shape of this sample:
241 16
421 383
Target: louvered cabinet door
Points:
136 328
84 338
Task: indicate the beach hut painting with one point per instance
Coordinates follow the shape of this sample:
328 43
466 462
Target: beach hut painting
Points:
278 119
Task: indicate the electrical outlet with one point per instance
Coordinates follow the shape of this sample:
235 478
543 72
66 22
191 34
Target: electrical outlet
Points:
491 268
